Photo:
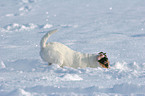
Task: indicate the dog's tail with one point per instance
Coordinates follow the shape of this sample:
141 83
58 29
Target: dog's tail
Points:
45 38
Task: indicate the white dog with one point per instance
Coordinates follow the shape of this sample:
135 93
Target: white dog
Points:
57 53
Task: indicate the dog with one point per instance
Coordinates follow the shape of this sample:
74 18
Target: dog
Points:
57 53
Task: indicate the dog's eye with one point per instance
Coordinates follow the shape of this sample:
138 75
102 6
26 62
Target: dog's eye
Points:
103 60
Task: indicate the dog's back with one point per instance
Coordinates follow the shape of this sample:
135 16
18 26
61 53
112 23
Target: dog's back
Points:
54 52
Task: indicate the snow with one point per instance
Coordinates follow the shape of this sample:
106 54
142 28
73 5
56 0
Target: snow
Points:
47 26
90 26
73 77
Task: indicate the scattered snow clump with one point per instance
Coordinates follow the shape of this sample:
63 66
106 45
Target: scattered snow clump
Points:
71 77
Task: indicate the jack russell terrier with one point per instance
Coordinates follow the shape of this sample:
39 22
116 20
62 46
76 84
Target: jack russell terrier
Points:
57 53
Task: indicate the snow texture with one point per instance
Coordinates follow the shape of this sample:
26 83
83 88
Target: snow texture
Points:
88 26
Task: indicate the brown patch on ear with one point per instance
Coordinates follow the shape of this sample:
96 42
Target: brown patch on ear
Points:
104 65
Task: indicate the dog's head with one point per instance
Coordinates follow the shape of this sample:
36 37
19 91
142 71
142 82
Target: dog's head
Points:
103 60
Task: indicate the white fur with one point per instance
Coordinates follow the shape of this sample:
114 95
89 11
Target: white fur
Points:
57 53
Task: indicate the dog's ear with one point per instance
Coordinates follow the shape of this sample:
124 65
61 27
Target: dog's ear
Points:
101 53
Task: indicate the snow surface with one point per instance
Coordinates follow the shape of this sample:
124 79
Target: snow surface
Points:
116 27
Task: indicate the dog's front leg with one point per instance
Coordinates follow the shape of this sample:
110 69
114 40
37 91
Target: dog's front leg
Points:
49 64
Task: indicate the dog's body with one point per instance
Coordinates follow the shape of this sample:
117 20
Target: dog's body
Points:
57 53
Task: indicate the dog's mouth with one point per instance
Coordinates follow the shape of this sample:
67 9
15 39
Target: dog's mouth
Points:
103 60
